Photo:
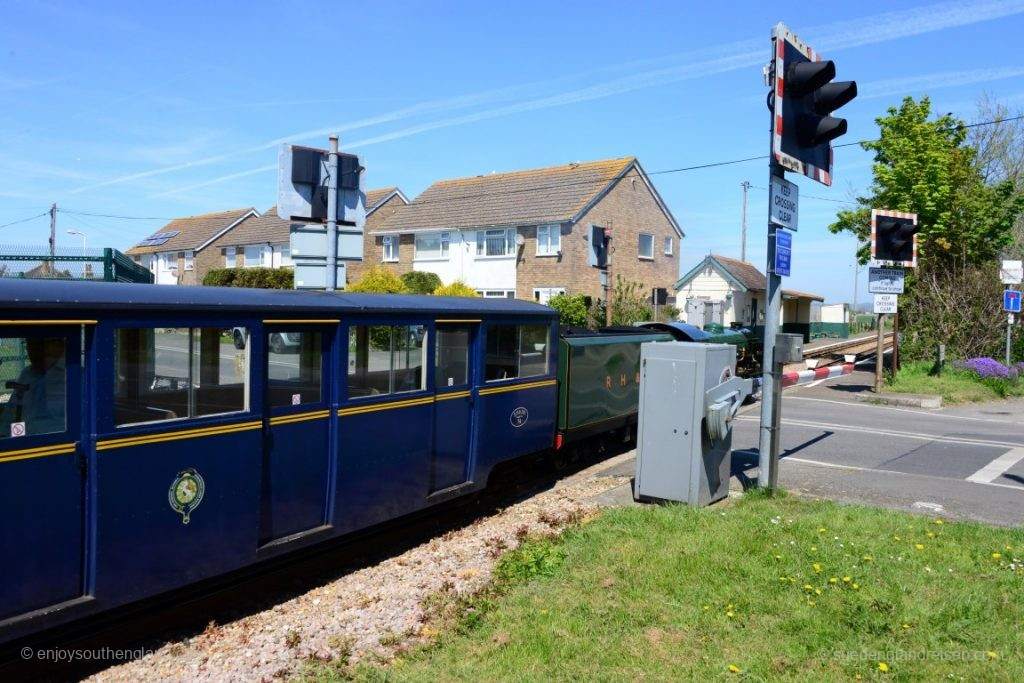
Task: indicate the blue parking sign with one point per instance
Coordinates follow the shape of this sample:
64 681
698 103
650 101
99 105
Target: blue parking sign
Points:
1011 301
783 251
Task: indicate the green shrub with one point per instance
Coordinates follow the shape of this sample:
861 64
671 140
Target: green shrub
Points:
457 288
379 280
572 310
420 282
258 278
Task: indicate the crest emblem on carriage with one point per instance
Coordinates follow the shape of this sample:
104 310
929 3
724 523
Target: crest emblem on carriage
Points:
519 416
186 493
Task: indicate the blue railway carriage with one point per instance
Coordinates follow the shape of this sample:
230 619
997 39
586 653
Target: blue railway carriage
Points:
142 451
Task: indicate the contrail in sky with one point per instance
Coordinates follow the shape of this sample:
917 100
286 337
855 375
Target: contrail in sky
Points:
738 55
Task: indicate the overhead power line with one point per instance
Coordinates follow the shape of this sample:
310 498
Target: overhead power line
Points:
25 220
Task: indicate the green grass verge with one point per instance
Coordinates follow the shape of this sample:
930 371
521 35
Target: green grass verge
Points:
955 386
768 589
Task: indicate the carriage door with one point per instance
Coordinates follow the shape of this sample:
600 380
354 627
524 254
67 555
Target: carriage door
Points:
41 467
453 415
296 453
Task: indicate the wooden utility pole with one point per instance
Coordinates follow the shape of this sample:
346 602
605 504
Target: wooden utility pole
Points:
880 353
53 239
743 231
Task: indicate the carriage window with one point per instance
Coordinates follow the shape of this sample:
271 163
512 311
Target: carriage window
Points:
385 359
516 351
452 357
167 373
293 367
33 397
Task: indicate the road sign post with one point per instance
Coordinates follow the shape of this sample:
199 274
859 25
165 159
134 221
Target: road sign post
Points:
1011 303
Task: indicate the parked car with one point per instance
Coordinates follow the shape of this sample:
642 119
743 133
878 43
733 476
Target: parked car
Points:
280 342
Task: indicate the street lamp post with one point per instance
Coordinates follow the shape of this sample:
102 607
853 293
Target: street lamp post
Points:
82 235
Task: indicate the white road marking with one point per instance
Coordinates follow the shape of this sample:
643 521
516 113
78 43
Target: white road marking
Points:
818 463
894 433
997 467
860 404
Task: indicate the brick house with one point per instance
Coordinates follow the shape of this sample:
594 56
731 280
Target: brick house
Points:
725 290
180 252
380 206
525 234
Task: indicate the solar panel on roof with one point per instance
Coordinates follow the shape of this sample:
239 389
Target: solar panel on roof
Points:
157 239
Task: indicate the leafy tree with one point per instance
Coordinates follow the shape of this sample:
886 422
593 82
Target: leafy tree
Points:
420 282
572 310
379 280
457 288
924 165
629 304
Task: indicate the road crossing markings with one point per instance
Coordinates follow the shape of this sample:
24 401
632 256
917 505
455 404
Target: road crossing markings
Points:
927 413
997 467
852 468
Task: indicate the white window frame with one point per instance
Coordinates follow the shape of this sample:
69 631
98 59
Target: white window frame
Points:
266 256
190 260
545 294
668 246
509 243
444 239
282 255
549 240
497 293
230 257
390 244
639 246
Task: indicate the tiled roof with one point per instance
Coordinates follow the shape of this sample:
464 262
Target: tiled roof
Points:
545 195
375 197
747 274
744 273
258 230
193 231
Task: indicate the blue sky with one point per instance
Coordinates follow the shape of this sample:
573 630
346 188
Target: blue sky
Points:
172 109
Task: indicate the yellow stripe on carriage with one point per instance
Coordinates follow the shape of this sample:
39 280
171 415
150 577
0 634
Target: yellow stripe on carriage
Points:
455 394
176 436
385 406
319 321
299 417
518 387
38 452
48 322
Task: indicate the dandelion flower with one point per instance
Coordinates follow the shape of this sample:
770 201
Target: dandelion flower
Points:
734 669
817 567
931 534
1009 547
811 603
707 607
996 556
833 580
883 667
778 557
846 579
939 522
906 626
808 587
868 558
895 538
821 530
857 677
730 614
993 655
919 546
856 586
814 549
817 591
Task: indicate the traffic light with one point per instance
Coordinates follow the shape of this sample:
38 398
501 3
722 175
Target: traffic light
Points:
599 240
805 98
893 237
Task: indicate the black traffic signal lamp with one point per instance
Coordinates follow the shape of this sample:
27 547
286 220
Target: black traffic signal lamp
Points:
894 239
809 98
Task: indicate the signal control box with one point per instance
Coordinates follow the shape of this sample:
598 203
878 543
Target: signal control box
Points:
688 398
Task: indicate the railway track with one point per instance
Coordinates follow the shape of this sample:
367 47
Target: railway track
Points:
858 347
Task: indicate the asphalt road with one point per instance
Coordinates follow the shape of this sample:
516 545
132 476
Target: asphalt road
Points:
964 462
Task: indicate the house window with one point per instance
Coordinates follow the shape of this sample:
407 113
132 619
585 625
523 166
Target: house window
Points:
390 243
432 246
668 246
190 261
495 242
229 257
544 294
549 240
282 255
645 246
497 293
258 256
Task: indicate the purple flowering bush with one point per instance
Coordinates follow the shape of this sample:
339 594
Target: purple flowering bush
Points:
989 367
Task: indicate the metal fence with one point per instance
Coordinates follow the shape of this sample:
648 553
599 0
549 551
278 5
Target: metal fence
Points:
107 265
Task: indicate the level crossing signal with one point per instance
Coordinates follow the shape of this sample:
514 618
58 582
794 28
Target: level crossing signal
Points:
894 237
600 238
804 99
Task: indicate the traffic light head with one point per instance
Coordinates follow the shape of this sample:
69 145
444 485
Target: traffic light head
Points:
805 98
893 238
598 252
